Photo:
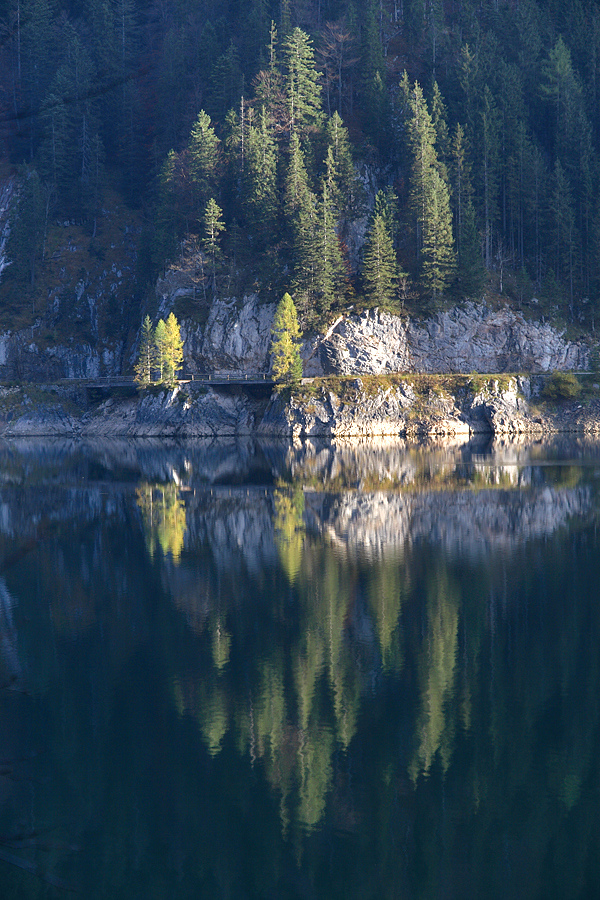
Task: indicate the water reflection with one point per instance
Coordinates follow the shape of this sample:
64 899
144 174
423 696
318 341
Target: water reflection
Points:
259 670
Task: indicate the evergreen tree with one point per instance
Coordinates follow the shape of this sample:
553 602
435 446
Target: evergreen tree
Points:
470 269
421 134
170 217
161 342
300 209
285 342
489 173
329 266
301 82
345 184
27 228
563 232
439 116
203 154
213 228
429 195
380 268
260 180
296 182
146 354
438 244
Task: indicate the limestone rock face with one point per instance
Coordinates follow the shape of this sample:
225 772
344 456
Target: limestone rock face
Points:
23 359
502 408
237 338
174 414
388 411
469 338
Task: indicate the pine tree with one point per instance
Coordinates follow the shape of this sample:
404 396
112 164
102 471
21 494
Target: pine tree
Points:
329 266
300 210
421 135
161 348
438 245
260 180
213 228
27 228
563 231
380 268
489 161
285 342
146 354
439 116
470 269
345 185
301 82
429 195
203 154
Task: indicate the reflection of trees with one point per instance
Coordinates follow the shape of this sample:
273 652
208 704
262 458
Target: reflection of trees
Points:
388 586
289 530
172 739
164 518
437 669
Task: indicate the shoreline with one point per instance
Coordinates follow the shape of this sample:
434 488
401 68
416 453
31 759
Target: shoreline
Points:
411 407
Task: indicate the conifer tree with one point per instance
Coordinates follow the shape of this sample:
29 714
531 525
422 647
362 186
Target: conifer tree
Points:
161 348
438 245
27 228
146 354
260 179
213 228
345 185
300 209
430 195
285 342
173 350
203 153
380 268
301 81
422 144
329 267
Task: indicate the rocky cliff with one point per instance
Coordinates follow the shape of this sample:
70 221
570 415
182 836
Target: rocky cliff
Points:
469 338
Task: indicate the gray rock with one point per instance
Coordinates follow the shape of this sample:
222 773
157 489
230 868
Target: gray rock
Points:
464 339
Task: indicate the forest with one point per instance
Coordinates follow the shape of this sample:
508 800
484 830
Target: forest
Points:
392 153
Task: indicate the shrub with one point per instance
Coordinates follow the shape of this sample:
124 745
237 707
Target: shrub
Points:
561 386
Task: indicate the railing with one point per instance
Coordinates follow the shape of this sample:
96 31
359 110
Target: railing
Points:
209 377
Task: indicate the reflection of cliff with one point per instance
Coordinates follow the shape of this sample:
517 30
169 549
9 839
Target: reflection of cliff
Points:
462 522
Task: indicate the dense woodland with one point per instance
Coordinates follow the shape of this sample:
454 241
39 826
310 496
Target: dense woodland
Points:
461 138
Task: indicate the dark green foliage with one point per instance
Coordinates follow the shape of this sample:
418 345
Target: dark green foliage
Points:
260 181
561 386
113 94
203 153
146 354
27 229
301 82
380 268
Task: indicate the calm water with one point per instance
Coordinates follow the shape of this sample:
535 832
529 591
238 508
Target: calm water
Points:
243 671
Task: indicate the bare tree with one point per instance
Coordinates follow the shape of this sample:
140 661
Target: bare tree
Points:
336 57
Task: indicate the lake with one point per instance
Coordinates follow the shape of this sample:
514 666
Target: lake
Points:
245 670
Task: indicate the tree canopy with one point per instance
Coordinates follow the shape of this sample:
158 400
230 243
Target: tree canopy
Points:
282 115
